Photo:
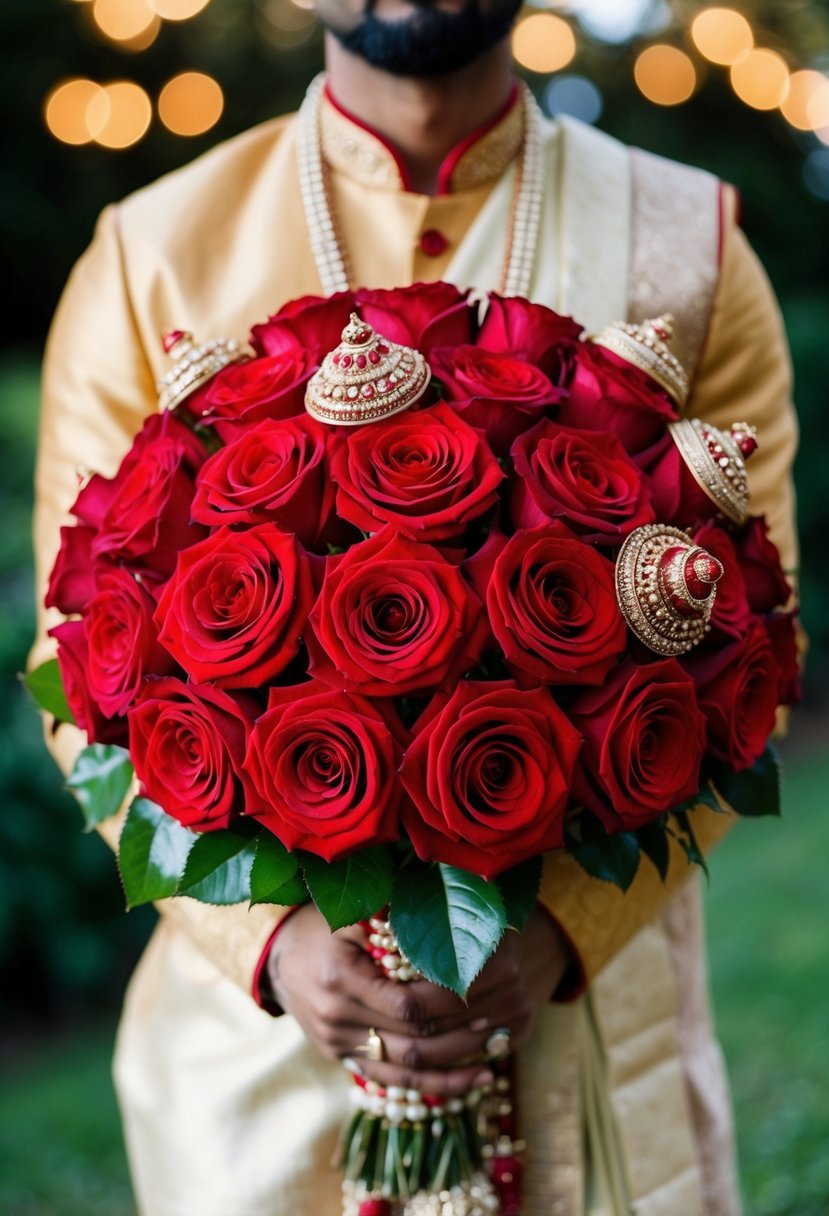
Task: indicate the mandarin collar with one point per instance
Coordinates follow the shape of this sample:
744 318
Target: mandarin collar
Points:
362 153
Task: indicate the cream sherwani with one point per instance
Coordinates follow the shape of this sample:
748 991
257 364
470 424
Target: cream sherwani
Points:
227 1110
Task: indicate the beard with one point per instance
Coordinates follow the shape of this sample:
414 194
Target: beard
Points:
431 41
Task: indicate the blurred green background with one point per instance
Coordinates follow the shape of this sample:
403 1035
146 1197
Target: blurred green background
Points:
66 946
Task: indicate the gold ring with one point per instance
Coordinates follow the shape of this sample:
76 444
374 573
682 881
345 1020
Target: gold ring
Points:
373 1048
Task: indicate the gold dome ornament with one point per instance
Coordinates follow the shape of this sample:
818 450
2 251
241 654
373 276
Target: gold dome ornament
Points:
666 587
366 378
717 461
646 346
195 364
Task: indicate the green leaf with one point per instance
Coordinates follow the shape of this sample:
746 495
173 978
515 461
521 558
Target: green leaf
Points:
755 791
519 891
46 686
706 796
152 853
351 889
218 868
688 840
611 857
447 922
100 781
274 877
653 841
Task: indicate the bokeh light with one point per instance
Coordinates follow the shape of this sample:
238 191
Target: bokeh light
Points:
722 35
573 95
816 173
806 106
178 10
543 42
191 103
761 79
119 115
665 75
123 20
613 21
286 23
66 110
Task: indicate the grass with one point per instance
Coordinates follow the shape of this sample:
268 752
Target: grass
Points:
769 953
60 1139
769 949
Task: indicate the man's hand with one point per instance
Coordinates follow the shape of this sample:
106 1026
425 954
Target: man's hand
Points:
433 1041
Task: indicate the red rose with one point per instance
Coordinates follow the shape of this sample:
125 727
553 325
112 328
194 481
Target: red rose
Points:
311 325
425 315
731 615
498 393
782 632
676 493
737 689
273 471
394 617
644 738
427 472
585 478
271 387
187 744
766 584
530 331
606 393
123 642
552 607
324 764
235 608
145 510
489 774
72 582
73 660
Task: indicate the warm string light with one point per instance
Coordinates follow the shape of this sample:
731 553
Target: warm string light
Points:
665 75
759 76
543 42
118 115
190 104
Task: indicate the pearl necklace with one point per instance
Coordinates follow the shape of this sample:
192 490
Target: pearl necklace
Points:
326 243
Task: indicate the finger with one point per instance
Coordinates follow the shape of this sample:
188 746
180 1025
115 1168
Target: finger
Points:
412 1004
359 1018
453 1082
458 1048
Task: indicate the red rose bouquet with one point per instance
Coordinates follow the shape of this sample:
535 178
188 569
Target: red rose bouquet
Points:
385 610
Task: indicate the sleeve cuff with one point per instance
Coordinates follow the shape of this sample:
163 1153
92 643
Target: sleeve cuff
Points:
261 990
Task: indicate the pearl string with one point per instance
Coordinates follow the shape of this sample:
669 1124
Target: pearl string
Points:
327 246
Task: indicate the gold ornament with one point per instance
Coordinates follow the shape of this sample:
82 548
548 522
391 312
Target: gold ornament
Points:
195 364
717 461
666 587
366 378
646 346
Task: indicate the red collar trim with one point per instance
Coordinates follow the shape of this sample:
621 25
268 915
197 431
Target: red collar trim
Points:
450 161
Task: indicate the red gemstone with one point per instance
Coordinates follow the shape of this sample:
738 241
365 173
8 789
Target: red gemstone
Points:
335 357
373 357
382 348
361 360
368 391
170 337
374 1207
346 360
